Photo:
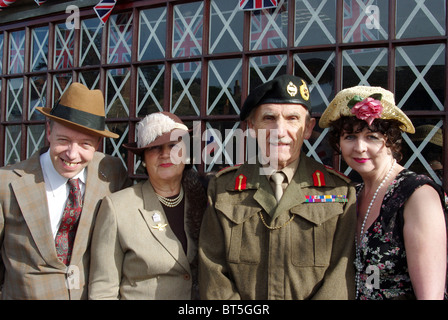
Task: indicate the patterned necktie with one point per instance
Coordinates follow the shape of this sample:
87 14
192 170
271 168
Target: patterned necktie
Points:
69 223
278 178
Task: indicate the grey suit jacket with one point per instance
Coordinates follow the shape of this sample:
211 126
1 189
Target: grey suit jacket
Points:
29 267
132 258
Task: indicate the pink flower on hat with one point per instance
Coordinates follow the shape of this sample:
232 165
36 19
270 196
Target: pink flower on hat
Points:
368 109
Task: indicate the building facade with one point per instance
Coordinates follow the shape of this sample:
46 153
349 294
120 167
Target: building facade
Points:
199 60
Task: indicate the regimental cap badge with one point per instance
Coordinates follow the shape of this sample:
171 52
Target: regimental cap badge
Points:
304 92
283 89
291 88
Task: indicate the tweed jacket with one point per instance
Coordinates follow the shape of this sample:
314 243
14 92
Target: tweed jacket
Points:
29 267
136 255
308 253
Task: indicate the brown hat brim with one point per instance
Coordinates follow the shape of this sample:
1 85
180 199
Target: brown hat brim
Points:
175 135
104 133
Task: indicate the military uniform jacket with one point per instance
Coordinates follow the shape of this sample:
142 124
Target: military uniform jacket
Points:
29 266
308 253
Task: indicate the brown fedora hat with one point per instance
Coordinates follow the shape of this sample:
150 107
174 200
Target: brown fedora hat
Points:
81 109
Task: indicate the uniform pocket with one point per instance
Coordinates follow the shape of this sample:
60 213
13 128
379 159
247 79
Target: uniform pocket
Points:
246 240
312 233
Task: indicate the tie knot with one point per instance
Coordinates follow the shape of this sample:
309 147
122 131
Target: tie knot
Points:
73 183
278 177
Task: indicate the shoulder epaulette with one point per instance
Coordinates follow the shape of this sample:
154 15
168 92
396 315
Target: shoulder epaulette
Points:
226 169
338 174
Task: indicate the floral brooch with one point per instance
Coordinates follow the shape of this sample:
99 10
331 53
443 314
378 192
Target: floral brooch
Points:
367 109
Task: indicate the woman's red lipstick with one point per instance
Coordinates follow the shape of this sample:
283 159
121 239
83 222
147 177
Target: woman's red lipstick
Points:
166 165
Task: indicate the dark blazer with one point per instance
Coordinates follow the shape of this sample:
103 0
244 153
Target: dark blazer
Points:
29 267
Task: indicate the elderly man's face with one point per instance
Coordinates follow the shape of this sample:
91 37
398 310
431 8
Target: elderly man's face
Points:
285 126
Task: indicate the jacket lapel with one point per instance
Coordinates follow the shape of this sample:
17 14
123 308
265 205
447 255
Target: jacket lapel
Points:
89 207
31 197
160 229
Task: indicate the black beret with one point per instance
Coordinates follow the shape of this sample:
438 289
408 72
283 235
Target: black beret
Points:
283 89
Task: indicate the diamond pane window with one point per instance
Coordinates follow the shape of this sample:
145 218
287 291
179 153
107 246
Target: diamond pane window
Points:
315 22
420 77
35 139
365 20
91 36
226 27
195 58
317 68
224 145
17 52
118 93
64 47
91 79
267 30
187 29
115 147
150 89
37 97
120 38
152 34
61 82
423 151
367 67
224 89
265 68
13 135
14 99
419 18
186 88
39 49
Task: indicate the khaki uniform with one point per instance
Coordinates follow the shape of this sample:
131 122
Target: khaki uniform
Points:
308 252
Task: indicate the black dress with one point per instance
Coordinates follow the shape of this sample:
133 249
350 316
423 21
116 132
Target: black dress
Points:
385 272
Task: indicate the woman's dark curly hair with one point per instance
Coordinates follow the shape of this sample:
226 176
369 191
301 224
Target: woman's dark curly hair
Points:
389 128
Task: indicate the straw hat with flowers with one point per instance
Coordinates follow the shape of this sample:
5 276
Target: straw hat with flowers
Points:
365 103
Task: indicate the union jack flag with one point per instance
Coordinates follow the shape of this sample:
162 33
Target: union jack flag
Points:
5 3
264 37
104 8
257 4
187 40
17 52
352 12
64 50
40 2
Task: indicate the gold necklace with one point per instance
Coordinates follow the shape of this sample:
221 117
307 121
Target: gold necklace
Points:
171 202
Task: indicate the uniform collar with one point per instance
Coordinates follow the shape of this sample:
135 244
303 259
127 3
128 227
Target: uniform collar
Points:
254 175
289 170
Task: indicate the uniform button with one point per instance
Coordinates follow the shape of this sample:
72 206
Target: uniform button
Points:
186 276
